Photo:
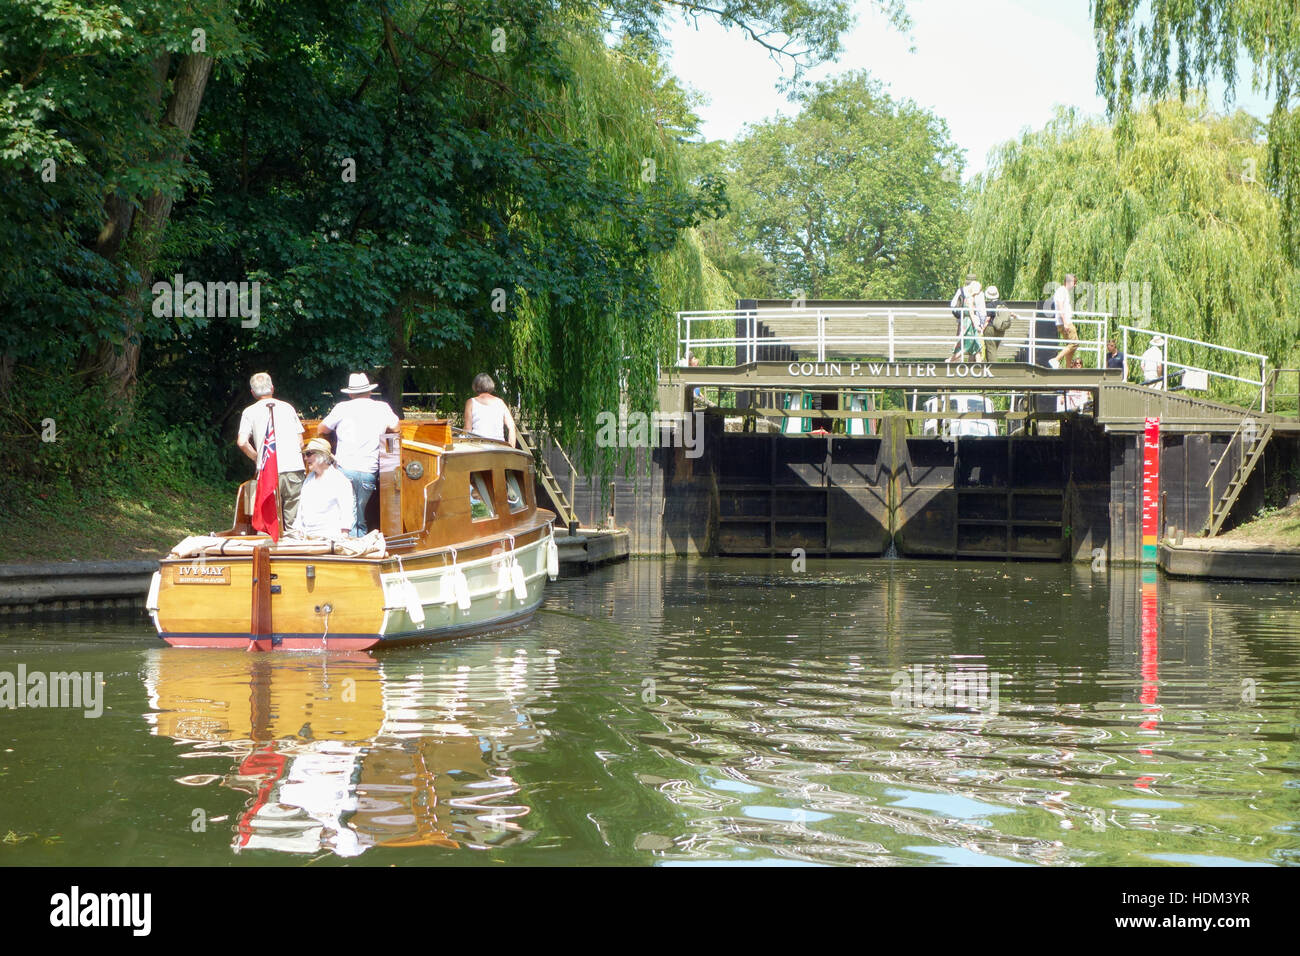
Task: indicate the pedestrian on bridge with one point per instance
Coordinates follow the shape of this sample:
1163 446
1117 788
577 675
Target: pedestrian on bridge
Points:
969 311
1153 363
1064 324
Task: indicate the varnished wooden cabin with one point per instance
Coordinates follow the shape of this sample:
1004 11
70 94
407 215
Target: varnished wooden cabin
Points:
465 549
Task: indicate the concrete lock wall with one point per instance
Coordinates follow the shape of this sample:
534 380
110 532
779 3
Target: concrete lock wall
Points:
1059 497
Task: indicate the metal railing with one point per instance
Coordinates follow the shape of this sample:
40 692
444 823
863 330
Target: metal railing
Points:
1186 345
1274 386
867 331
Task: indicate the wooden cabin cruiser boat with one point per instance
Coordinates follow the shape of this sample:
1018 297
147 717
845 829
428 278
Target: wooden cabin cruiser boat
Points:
461 548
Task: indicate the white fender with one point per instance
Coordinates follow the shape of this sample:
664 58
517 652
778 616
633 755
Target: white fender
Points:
503 575
552 558
414 609
446 588
151 602
518 580
462 588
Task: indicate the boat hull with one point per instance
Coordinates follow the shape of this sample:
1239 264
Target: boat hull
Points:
337 603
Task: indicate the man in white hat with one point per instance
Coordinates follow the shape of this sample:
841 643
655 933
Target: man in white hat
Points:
1153 363
253 425
360 423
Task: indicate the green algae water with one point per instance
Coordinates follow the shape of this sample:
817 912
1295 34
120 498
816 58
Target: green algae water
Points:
686 712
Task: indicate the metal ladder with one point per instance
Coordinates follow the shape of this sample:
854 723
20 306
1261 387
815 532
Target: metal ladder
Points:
560 501
1259 433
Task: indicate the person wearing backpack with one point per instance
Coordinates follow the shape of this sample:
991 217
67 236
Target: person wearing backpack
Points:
968 309
995 325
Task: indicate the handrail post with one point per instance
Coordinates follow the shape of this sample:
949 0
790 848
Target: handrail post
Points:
687 319
1164 366
891 335
1033 338
821 336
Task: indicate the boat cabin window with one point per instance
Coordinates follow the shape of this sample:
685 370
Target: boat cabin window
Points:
480 496
515 499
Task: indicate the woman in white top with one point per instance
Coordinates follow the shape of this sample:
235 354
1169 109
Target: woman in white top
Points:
486 415
327 506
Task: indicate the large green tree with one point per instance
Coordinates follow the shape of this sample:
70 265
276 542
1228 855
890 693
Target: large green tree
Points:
428 189
97 105
479 191
858 196
1157 48
1169 216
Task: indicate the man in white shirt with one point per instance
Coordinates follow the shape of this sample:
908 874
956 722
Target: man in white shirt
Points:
327 507
1064 324
288 441
1153 363
360 423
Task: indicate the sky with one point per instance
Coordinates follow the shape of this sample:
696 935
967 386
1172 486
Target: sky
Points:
1031 56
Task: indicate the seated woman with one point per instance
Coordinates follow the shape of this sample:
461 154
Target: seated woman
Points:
326 505
486 415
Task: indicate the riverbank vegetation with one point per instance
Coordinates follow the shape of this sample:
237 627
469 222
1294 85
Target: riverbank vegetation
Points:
121 520
1272 525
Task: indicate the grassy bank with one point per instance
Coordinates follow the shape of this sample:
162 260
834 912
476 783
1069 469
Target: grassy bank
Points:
108 522
1276 526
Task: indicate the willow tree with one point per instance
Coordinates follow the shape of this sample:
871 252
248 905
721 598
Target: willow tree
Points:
1172 209
575 355
1153 49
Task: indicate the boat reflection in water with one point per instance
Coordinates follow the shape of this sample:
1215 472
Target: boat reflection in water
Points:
340 752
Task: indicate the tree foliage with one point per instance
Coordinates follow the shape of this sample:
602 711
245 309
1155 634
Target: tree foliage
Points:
803 32
518 203
858 196
88 130
1176 209
1153 49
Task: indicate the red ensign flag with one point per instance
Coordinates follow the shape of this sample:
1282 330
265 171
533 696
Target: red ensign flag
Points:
266 516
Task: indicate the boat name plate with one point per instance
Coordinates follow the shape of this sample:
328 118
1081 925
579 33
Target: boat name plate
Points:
201 574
